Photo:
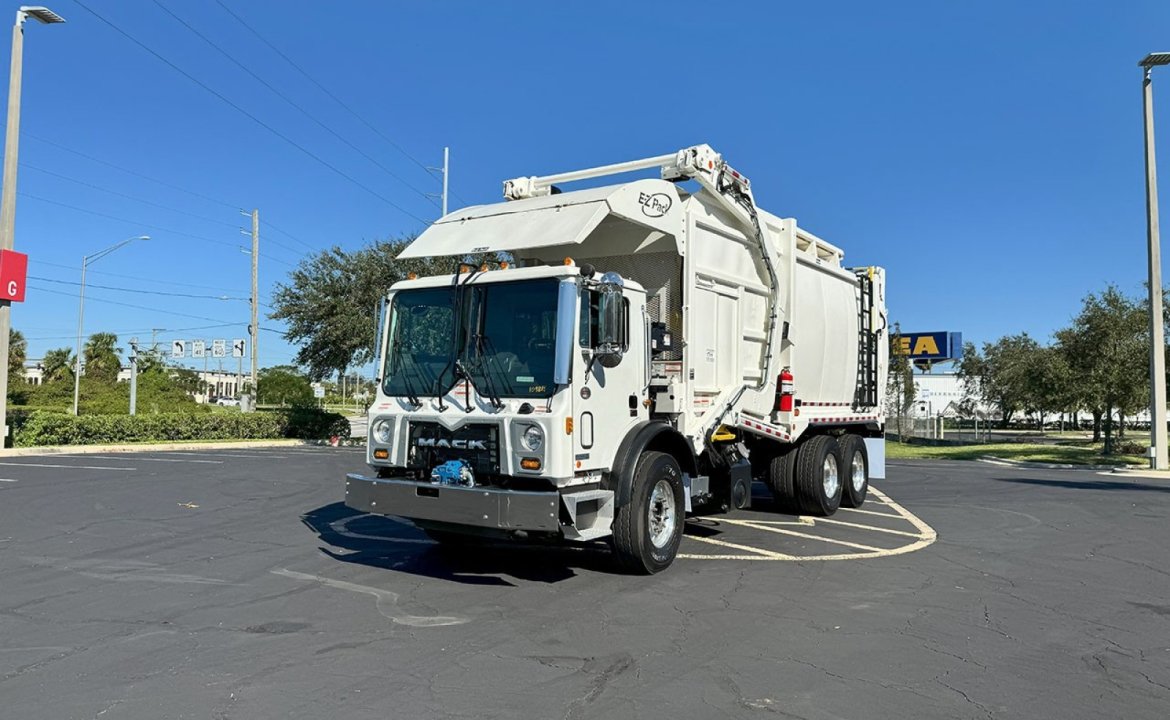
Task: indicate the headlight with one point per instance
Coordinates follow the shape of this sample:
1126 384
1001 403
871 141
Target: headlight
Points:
382 430
533 438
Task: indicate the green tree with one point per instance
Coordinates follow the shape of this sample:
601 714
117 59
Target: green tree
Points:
1000 374
57 365
1107 350
1048 386
900 388
330 299
102 356
283 385
17 355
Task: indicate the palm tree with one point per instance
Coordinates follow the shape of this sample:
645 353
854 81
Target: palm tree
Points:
17 351
57 365
102 357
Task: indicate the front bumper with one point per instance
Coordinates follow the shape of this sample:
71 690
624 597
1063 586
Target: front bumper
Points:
477 507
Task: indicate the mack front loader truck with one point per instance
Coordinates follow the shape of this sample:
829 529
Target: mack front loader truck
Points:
635 353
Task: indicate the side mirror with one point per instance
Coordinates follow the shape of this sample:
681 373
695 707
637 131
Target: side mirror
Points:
611 324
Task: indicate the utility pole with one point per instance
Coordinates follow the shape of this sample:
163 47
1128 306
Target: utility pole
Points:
133 375
445 171
8 191
255 327
1159 458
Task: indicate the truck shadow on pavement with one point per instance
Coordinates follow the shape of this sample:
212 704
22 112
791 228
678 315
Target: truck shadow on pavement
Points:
388 544
1089 484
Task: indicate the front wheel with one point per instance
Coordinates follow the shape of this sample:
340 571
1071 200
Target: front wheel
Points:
648 530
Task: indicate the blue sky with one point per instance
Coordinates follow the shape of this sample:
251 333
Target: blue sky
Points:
988 154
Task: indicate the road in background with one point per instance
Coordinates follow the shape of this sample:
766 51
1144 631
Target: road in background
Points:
234 584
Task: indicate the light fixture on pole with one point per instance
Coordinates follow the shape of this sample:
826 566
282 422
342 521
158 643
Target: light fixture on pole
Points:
1158 451
8 192
85 261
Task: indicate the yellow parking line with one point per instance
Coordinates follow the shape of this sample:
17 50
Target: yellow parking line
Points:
928 533
766 554
868 527
871 512
818 538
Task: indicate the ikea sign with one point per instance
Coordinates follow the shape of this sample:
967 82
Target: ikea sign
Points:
937 346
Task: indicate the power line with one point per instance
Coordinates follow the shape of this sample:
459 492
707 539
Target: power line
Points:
291 102
321 87
38 261
290 236
138 330
128 304
124 195
155 227
128 171
249 115
140 291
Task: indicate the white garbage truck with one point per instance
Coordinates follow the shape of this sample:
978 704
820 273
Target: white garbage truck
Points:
633 354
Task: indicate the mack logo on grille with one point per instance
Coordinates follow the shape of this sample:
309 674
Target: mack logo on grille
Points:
457 443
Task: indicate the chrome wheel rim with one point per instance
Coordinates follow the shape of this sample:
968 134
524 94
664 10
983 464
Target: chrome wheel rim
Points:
660 517
858 472
829 478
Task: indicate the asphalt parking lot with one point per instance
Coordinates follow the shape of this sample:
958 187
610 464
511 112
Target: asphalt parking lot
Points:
233 584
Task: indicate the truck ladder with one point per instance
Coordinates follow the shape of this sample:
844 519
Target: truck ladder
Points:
866 393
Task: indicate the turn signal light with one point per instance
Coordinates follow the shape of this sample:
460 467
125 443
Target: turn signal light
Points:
569 261
483 267
504 265
530 463
381 454
412 276
568 426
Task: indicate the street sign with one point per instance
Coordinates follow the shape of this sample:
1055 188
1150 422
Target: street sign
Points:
238 348
198 348
13 269
318 391
177 348
218 348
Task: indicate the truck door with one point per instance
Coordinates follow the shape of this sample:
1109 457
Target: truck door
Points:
609 399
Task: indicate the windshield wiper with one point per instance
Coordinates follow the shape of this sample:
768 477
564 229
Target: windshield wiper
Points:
396 357
469 376
483 342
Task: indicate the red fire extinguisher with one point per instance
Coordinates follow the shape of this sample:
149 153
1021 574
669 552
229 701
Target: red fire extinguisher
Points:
785 391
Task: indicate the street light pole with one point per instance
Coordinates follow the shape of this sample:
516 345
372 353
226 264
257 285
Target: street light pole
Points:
85 261
8 193
1159 459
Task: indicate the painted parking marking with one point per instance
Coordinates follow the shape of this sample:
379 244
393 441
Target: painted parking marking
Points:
807 536
859 526
146 459
818 530
253 456
67 467
760 553
871 512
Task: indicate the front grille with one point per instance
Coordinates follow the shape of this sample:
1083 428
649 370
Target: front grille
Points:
432 444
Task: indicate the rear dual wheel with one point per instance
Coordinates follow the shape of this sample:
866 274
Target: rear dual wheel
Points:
855 465
818 477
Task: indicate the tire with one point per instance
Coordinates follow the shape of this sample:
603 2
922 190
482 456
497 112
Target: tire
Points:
781 479
818 476
854 471
647 530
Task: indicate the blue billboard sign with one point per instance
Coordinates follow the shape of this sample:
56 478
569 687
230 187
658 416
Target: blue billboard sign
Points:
930 346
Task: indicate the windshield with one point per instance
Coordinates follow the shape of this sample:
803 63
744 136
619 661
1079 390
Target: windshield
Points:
503 341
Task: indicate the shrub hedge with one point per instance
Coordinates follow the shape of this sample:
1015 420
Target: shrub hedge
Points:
55 428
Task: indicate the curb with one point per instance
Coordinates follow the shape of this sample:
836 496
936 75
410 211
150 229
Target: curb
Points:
992 460
1142 473
156 447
